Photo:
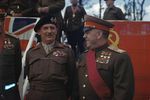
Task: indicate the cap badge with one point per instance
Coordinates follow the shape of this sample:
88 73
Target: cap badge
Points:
54 20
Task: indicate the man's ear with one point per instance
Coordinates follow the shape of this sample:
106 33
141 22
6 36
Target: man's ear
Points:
99 34
38 32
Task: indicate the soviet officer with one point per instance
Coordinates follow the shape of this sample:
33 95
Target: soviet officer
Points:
10 61
105 72
50 65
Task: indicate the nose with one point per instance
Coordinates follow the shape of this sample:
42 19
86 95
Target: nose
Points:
49 30
84 36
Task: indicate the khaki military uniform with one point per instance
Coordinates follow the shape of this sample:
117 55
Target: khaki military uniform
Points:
10 67
114 65
51 74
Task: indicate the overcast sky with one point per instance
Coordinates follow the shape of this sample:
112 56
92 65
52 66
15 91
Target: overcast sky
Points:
94 7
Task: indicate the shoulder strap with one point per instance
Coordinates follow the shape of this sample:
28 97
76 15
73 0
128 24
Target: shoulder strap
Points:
95 78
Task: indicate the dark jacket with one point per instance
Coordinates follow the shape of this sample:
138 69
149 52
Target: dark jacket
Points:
10 65
55 7
115 67
113 13
74 22
26 7
51 73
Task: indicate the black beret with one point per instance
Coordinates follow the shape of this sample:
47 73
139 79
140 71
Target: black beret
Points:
97 23
45 20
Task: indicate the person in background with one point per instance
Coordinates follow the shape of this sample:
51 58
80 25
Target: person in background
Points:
23 8
10 61
105 72
52 7
50 66
73 21
112 12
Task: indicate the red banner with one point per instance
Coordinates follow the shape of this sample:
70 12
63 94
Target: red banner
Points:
134 37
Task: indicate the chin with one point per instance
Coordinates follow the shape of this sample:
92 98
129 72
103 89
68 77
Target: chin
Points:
87 45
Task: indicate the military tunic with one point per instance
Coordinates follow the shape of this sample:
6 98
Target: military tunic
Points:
10 67
50 74
115 67
113 13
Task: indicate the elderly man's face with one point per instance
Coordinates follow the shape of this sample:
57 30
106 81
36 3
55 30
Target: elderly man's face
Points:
91 38
48 33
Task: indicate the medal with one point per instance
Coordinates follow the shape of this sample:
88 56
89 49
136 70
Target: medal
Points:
73 15
74 10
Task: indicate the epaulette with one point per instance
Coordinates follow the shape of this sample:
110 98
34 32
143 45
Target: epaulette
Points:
11 35
35 47
30 49
116 49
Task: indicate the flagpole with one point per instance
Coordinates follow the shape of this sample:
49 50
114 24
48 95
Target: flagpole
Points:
25 84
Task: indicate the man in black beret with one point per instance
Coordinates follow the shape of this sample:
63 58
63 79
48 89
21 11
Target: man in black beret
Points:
105 72
112 12
50 66
10 61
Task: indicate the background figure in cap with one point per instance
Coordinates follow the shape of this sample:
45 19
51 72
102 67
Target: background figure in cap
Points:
50 66
73 19
23 8
52 7
10 61
105 72
15 8
112 12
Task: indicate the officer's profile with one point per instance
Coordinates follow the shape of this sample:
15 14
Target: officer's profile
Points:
105 72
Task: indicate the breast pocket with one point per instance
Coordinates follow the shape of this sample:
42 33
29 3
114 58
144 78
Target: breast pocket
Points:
58 66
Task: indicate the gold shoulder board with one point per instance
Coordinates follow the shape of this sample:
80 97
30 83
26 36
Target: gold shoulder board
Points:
116 49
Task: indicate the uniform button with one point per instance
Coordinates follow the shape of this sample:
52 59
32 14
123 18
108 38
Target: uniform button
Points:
84 85
86 75
83 97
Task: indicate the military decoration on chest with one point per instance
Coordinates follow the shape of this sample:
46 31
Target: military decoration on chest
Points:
8 44
59 53
104 57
